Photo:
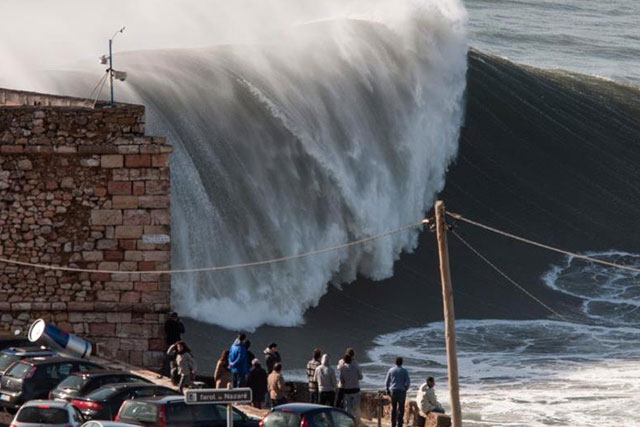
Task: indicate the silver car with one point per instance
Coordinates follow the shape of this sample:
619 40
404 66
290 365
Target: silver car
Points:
49 413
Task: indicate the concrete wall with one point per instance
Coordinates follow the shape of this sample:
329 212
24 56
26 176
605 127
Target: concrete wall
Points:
84 188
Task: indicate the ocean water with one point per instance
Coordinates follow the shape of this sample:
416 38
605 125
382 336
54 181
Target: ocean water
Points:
599 38
581 372
344 126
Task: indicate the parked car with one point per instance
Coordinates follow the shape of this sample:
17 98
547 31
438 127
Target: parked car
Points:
34 378
13 354
95 423
7 341
81 383
104 403
307 415
43 413
173 411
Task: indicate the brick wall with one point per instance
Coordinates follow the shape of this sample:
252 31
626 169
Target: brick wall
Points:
83 187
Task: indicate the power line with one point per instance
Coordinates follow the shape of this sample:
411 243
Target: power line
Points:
542 245
223 267
503 274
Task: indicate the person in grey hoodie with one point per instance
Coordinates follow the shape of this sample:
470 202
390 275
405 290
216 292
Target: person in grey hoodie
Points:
325 377
350 376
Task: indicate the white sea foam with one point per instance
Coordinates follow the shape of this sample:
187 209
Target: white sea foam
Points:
314 124
325 133
538 372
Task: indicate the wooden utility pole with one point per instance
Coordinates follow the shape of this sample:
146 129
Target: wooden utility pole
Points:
449 316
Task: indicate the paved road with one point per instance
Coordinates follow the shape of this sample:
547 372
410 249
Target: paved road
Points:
5 419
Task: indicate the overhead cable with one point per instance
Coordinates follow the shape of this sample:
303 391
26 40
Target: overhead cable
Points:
223 267
542 245
503 274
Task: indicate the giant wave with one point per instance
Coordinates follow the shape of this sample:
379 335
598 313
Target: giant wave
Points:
329 132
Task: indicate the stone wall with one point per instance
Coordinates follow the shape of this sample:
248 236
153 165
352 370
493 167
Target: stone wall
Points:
84 188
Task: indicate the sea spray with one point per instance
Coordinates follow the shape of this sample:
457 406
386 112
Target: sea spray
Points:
314 135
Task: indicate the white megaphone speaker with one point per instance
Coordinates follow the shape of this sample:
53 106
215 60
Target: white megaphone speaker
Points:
61 341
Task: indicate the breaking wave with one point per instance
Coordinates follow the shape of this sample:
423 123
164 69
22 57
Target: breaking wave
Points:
329 132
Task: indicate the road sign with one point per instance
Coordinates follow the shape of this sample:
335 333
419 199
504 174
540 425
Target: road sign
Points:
218 395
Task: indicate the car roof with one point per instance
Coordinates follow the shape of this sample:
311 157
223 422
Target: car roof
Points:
300 408
123 386
102 373
23 351
54 359
160 399
50 403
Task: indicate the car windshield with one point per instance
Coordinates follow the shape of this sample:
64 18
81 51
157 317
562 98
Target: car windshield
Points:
43 415
6 360
19 370
72 382
282 419
138 411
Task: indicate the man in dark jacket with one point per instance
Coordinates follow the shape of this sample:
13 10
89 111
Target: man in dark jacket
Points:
271 356
238 363
257 381
173 330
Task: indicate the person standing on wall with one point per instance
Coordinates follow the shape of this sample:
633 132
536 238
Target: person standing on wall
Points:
238 362
312 365
173 330
397 383
271 356
325 377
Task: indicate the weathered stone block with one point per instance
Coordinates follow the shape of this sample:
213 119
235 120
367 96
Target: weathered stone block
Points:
124 202
111 161
136 217
129 231
106 217
113 296
137 160
131 297
102 329
153 202
121 188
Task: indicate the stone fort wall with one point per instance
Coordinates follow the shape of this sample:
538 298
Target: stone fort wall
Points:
83 187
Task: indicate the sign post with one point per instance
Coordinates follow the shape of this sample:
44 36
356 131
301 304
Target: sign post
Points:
219 396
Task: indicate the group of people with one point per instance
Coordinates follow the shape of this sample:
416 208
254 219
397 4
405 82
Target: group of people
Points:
238 367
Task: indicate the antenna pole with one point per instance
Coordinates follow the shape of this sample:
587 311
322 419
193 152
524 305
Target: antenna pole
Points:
449 316
111 69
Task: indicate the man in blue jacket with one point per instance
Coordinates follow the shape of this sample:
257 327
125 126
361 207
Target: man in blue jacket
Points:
238 361
397 384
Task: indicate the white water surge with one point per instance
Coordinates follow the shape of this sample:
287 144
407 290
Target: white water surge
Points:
314 126
539 372
319 135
